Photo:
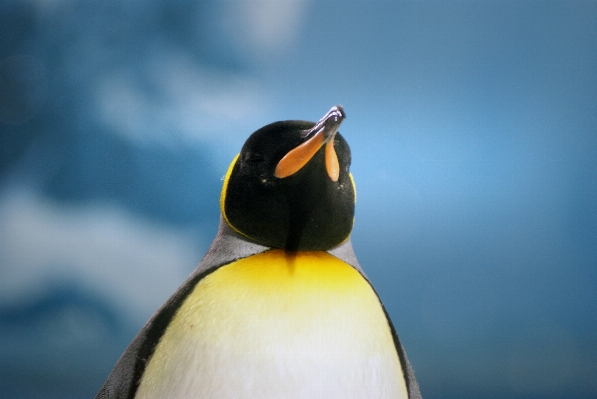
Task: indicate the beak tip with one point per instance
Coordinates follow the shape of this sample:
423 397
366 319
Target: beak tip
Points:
331 122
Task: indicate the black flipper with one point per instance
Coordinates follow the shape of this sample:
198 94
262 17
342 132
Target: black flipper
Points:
124 380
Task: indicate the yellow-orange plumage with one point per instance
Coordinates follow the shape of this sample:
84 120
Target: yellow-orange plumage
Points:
273 325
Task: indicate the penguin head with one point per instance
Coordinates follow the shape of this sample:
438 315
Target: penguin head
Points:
290 186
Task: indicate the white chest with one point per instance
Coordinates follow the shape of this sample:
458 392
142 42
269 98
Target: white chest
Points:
273 327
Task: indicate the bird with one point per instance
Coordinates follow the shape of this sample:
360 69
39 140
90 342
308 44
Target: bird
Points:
279 307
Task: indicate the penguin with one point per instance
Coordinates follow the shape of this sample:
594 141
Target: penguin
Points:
279 306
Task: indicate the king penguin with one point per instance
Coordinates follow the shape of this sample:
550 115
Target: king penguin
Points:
279 307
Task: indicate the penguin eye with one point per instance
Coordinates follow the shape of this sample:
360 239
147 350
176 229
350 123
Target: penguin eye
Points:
253 159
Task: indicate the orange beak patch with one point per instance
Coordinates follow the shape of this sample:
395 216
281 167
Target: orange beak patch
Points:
331 161
326 130
298 157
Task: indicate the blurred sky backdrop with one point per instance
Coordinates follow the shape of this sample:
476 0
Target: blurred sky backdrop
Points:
473 127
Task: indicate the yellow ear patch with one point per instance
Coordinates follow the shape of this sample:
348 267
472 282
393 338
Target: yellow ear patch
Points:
225 189
354 187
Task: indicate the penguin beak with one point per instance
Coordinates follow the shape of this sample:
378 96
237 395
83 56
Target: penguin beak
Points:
321 134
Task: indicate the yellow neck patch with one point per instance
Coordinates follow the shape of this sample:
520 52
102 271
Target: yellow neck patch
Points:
304 325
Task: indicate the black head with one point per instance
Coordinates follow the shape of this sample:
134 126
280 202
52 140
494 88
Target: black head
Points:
290 186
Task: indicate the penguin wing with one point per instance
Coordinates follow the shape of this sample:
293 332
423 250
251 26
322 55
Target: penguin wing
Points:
345 252
123 381
412 386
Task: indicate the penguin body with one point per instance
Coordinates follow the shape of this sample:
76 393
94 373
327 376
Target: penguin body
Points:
272 311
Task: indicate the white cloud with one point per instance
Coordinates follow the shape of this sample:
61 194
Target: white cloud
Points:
134 262
264 31
181 100
265 26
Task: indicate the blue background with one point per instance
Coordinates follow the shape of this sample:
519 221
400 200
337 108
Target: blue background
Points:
473 126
